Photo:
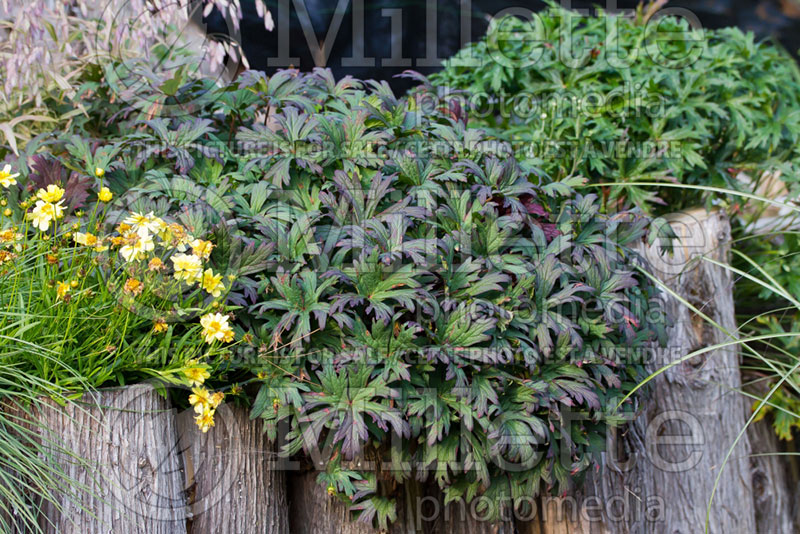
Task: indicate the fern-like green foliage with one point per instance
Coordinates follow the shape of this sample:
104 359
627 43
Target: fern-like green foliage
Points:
633 99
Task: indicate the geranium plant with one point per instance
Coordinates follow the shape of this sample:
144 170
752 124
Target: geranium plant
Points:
412 294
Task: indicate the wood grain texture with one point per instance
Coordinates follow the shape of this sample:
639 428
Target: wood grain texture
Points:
233 481
467 519
312 511
420 510
658 474
127 438
773 491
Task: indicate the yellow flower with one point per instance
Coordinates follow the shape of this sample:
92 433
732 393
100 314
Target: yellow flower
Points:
144 224
196 375
73 284
88 239
155 265
205 421
202 249
100 172
200 399
62 290
7 212
159 326
138 249
133 287
216 327
9 236
188 268
216 399
6 178
44 213
105 195
213 283
6 256
53 193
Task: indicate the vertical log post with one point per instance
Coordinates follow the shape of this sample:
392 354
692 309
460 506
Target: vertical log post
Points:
127 439
659 471
232 480
772 485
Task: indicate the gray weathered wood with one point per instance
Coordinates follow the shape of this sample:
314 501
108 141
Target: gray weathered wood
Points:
775 501
127 438
233 481
659 472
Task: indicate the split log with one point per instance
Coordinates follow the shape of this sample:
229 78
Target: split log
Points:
126 439
233 480
659 472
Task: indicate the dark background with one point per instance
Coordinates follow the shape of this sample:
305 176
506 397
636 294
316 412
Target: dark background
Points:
766 18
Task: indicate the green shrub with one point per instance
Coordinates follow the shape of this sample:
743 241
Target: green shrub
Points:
610 98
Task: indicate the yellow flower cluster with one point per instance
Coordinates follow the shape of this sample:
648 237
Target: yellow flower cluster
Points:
136 241
205 405
49 207
204 402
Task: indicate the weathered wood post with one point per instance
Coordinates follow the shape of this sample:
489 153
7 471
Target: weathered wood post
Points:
127 438
658 474
775 500
420 510
312 511
232 478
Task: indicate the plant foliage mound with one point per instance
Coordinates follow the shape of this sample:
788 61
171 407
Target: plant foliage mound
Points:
701 116
412 295
424 303
629 100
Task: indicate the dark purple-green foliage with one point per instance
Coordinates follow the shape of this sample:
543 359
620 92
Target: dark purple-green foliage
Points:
432 305
418 299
